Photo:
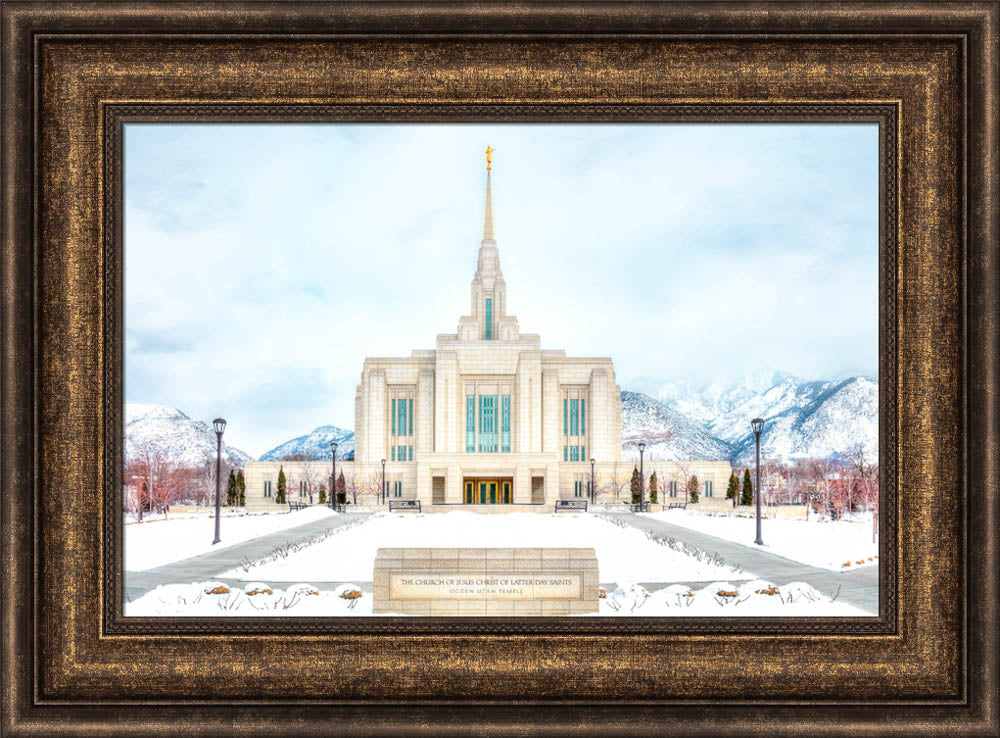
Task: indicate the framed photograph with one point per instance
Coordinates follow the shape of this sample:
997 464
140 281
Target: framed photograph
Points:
496 474
420 368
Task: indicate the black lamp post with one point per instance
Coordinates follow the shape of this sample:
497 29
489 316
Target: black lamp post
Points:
333 479
383 481
219 424
757 425
642 478
593 489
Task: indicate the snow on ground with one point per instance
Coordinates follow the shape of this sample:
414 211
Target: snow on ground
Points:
756 598
623 554
841 545
207 599
156 542
720 599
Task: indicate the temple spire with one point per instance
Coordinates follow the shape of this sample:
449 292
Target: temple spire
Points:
488 214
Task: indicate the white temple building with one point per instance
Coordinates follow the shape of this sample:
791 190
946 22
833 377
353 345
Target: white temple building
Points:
487 418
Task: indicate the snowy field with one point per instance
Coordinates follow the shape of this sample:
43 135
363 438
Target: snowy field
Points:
842 545
156 542
720 599
623 554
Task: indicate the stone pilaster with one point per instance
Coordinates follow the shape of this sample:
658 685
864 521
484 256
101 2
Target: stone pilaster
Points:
453 485
424 441
522 485
550 411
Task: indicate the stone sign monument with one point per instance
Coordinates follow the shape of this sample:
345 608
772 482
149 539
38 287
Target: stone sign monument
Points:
485 581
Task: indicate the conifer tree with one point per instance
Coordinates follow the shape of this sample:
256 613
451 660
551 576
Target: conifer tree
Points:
341 489
733 490
693 489
282 483
322 494
747 497
636 481
652 488
241 486
231 493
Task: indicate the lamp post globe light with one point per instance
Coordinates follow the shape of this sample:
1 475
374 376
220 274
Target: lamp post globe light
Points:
593 489
333 479
757 425
383 481
642 480
219 425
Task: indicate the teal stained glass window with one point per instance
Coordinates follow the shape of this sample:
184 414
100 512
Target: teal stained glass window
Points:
489 319
402 417
583 418
583 453
410 404
470 423
574 453
565 453
565 417
392 414
393 453
487 423
505 424
574 417
411 452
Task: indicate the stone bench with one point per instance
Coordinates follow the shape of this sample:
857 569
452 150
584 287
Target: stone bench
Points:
412 505
580 505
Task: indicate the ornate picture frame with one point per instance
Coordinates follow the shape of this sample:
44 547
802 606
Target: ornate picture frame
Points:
74 74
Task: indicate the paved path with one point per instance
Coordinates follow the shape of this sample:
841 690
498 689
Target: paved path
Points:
208 565
858 588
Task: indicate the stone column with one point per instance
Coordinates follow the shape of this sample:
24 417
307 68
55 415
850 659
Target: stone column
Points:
551 416
551 484
424 493
446 420
375 408
529 403
424 428
522 485
453 485
601 416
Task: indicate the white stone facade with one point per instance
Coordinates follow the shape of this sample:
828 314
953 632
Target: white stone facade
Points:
487 406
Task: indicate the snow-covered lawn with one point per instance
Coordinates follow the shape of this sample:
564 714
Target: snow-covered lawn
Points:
156 542
720 599
623 554
842 545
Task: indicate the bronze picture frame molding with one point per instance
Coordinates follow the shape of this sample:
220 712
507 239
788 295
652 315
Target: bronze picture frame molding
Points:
66 65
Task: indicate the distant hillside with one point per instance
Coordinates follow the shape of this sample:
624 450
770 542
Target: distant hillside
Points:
178 437
315 445
668 435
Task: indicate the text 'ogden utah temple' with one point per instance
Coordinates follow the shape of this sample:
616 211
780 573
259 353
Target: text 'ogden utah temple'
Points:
488 417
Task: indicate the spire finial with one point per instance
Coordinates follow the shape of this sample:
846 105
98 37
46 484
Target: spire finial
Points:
488 215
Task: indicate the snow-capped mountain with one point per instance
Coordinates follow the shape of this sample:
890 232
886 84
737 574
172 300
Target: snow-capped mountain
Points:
168 430
833 419
315 445
668 434
803 418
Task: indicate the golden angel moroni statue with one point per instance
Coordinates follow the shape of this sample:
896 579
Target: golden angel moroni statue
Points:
489 157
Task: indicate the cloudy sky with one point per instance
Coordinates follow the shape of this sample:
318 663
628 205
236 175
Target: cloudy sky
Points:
264 262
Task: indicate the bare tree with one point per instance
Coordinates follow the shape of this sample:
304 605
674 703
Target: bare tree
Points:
311 476
621 478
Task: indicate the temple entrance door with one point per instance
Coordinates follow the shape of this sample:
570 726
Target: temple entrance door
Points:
470 493
487 492
506 492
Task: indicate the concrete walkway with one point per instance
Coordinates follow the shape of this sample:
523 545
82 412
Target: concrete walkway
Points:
858 588
208 565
